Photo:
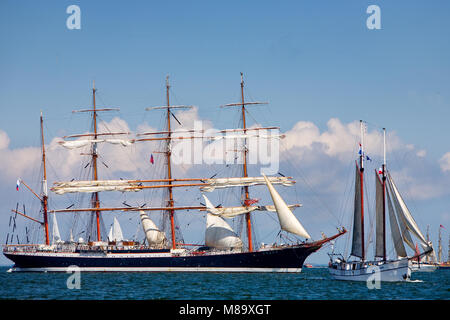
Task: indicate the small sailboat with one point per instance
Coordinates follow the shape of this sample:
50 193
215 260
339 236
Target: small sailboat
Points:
427 263
115 233
402 225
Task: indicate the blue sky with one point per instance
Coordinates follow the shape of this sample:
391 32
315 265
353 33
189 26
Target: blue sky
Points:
312 60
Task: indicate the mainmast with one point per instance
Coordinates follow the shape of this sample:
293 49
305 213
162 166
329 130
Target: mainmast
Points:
169 167
245 174
44 186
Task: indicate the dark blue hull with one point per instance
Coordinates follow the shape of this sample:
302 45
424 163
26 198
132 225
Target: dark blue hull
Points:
276 259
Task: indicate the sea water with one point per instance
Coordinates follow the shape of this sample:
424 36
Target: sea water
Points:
310 284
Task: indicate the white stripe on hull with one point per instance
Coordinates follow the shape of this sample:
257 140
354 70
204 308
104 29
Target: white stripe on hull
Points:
156 269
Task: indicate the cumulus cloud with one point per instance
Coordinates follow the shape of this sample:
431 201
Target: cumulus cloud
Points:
445 162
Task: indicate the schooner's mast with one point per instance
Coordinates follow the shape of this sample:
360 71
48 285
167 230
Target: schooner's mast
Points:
44 186
383 169
361 176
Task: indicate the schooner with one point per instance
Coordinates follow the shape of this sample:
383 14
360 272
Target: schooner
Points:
402 226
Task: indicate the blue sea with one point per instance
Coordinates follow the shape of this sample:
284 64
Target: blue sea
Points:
311 284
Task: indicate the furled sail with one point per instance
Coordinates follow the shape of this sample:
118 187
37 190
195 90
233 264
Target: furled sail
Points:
115 233
242 182
56 237
154 236
395 231
403 210
379 198
219 234
249 136
357 230
94 186
288 221
231 212
227 212
82 143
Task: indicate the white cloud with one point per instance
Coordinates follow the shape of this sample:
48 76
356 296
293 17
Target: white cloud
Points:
445 162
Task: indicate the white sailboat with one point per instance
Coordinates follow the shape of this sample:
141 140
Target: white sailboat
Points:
402 225
115 233
427 263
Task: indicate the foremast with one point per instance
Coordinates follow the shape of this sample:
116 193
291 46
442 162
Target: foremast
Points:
95 196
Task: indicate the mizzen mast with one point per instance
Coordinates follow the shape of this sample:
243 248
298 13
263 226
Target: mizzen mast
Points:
44 199
169 167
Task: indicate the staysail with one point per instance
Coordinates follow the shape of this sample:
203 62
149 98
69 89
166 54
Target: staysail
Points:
288 221
154 236
56 237
406 216
115 233
395 231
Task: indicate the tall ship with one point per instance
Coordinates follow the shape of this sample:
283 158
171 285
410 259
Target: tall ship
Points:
357 267
162 248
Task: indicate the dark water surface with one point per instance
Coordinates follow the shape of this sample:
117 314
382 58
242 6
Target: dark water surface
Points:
311 284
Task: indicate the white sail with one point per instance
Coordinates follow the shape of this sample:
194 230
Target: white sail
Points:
115 233
56 237
395 232
82 143
154 236
401 218
288 221
243 181
219 234
94 186
409 220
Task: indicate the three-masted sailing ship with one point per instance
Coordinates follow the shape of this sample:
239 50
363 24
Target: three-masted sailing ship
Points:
222 251
402 225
